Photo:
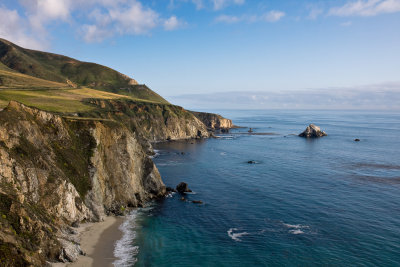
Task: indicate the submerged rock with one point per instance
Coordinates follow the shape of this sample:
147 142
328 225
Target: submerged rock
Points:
312 131
197 201
183 188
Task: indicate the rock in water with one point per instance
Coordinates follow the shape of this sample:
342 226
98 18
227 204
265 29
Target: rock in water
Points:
183 188
312 131
357 140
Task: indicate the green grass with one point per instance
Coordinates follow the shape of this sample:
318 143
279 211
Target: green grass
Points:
15 80
58 68
48 100
62 101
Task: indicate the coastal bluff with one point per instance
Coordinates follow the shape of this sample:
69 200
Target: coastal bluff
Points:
59 170
213 121
56 172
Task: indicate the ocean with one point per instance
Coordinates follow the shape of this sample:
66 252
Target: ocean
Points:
305 202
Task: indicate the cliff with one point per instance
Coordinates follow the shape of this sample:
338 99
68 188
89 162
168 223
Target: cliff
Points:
213 121
56 172
151 121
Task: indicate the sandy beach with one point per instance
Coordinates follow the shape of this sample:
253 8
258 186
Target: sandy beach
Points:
97 241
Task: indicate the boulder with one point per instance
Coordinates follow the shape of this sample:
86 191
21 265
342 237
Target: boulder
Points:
183 188
312 131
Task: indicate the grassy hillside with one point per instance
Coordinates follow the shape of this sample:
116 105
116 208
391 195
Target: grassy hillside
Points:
13 80
62 100
58 68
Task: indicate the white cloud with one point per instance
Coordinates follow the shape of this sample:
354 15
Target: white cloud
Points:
94 33
100 19
366 8
172 23
134 20
15 29
271 16
198 3
219 4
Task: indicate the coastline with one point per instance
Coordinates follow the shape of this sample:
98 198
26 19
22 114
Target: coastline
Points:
97 241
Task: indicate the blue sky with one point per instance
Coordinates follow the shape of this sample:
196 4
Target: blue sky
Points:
186 47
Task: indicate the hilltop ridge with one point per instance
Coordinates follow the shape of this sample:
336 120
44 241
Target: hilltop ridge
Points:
70 71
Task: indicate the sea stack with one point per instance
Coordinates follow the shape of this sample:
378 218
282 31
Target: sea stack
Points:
312 131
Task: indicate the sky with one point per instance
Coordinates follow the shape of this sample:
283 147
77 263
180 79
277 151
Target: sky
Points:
227 50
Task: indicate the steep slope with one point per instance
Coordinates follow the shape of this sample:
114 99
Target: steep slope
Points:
213 121
55 172
153 122
58 68
13 80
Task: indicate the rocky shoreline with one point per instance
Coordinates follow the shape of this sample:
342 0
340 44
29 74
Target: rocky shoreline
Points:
60 172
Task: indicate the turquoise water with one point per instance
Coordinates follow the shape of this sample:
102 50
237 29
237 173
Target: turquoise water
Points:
322 202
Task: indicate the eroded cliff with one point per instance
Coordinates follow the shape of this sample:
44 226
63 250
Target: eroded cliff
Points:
56 171
213 121
152 121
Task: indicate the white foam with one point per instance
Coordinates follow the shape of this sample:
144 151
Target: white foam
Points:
156 154
296 226
296 229
170 194
296 232
124 250
235 236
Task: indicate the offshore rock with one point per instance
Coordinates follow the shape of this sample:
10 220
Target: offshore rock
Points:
183 188
312 131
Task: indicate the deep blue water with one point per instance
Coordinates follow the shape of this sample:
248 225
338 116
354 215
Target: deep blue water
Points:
320 202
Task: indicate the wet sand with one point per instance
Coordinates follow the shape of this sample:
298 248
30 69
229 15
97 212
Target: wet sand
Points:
97 241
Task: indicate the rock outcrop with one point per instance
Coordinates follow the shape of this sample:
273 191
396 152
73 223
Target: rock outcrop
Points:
183 188
312 131
56 172
151 121
214 121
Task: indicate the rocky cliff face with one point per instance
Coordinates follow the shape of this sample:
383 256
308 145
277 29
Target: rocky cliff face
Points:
55 172
153 122
213 121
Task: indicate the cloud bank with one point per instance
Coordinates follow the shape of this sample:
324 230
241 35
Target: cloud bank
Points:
271 16
373 97
366 8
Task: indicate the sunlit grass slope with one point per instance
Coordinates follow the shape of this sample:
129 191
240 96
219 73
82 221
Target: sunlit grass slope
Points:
62 100
59 69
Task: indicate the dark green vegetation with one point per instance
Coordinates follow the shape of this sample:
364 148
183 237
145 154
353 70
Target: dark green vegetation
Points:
25 228
62 69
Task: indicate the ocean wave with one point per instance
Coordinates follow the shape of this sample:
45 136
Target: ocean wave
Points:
156 154
235 236
124 250
296 229
296 232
